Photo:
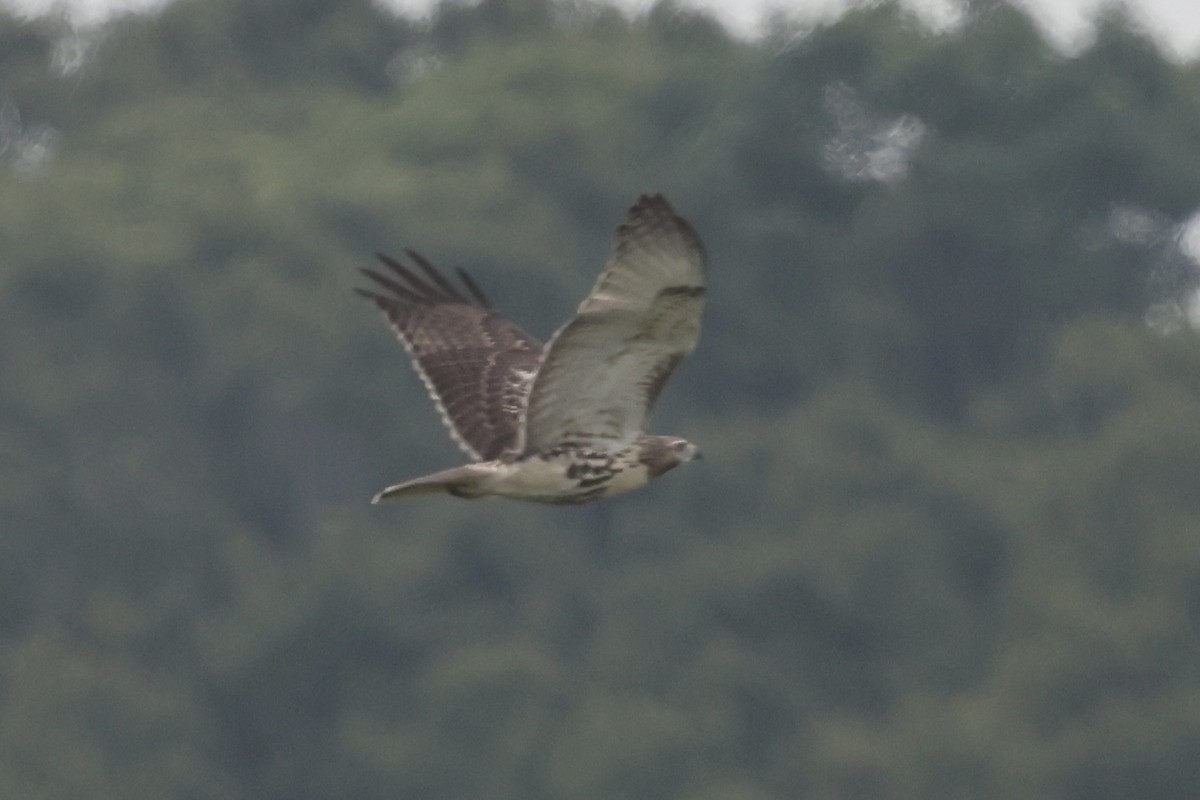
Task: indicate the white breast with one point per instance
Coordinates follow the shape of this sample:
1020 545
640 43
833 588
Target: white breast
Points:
531 478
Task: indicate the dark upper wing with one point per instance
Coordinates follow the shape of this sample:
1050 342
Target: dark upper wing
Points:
476 364
602 371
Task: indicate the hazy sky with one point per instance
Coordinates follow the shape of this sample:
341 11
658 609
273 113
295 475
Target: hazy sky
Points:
1175 22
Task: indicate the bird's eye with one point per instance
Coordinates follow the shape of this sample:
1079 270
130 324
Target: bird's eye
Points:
681 447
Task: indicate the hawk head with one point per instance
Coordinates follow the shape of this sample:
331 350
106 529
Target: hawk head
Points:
661 454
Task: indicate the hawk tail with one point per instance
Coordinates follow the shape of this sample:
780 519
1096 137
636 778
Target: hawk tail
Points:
460 481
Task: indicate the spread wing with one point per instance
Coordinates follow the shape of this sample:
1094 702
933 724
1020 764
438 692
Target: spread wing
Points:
601 372
476 364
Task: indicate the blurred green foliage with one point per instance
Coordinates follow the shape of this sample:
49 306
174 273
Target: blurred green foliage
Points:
946 542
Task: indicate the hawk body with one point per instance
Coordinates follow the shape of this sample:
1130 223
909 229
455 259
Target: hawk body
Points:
562 422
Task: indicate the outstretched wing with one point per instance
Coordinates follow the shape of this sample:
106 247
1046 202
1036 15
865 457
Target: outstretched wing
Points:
476 364
601 372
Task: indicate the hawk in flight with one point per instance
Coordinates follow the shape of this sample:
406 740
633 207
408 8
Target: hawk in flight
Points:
562 422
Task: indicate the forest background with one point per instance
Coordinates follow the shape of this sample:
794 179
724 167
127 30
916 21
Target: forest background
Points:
946 539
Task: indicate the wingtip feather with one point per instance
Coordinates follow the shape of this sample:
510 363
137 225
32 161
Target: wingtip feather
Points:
448 292
474 289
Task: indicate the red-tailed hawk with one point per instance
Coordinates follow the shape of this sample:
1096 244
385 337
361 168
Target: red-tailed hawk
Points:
562 422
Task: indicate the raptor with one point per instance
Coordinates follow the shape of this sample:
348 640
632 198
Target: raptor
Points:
562 422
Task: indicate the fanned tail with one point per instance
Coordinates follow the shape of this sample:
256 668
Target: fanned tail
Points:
459 481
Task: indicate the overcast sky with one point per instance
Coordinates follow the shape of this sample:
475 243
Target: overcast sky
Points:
1176 23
